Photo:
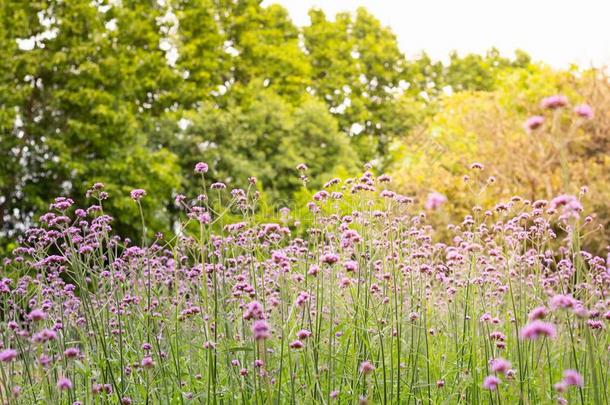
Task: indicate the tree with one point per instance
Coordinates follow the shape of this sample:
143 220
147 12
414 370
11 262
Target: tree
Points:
89 80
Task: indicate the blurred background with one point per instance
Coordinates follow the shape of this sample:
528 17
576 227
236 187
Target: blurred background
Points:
133 93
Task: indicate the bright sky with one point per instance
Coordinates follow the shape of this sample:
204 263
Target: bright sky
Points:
558 32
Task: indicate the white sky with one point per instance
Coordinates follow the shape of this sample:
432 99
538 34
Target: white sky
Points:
558 32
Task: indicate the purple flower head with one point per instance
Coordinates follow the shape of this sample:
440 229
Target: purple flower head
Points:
201 167
260 330
302 167
137 194
303 334
537 313
64 384
366 367
147 362
37 315
71 352
584 111
554 102
500 366
573 378
297 344
491 382
8 355
536 329
534 122
329 258
569 205
434 201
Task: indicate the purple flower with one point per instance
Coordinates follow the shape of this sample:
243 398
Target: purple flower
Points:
137 194
537 313
71 352
569 204
302 167
8 355
201 167
37 315
366 367
573 378
303 334
535 329
584 111
434 201
491 383
147 362
534 122
554 102
297 344
64 384
329 258
500 366
260 330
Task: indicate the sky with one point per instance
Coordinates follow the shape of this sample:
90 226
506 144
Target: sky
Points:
558 32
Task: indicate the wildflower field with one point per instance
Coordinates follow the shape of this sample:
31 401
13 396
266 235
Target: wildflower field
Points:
348 301
204 202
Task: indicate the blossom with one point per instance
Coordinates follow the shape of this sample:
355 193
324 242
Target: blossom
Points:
535 329
8 355
201 167
534 122
434 201
500 366
537 313
260 330
569 204
303 334
71 352
584 111
137 194
554 102
37 315
366 367
491 383
64 384
147 362
573 378
297 344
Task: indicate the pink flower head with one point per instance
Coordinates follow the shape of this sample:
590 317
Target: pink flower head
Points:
8 355
562 301
137 194
302 167
366 367
573 378
535 329
491 382
71 352
37 315
570 206
303 334
350 265
537 313
260 330
584 111
534 122
554 102
329 258
434 201
147 362
297 344
254 310
201 167
500 366
64 384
